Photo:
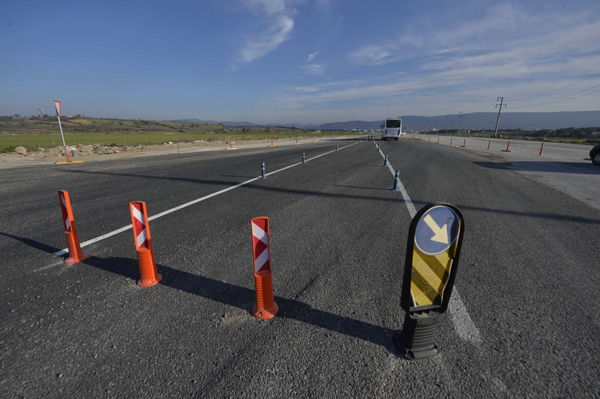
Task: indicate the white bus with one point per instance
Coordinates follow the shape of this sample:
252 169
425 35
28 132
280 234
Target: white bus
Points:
391 129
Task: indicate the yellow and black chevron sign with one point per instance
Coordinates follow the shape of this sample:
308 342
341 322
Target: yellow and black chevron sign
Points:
435 237
429 277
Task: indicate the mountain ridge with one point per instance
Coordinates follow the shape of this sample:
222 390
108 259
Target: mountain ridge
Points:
474 120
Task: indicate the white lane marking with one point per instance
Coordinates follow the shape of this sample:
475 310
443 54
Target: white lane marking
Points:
177 208
407 200
464 326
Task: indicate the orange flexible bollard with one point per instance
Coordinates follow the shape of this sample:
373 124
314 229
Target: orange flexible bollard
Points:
507 147
438 140
143 245
451 142
429 142
542 149
465 144
75 254
489 143
265 307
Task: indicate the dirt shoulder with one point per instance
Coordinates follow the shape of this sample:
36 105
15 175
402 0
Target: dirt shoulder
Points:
104 153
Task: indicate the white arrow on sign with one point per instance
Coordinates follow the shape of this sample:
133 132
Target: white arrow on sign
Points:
440 233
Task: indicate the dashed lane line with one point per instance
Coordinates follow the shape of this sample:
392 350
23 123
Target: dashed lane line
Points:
177 208
463 324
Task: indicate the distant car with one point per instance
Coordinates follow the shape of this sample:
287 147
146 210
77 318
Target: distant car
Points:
595 154
391 129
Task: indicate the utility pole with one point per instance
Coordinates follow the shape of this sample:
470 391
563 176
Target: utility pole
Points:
460 116
437 131
499 111
447 120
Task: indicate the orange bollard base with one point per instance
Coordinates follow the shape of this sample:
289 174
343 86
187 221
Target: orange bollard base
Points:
265 307
70 260
148 273
265 314
75 254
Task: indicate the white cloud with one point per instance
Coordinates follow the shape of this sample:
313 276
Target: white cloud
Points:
372 54
278 33
277 15
311 56
313 69
305 89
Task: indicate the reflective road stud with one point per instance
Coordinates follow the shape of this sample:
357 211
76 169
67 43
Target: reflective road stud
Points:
265 307
432 257
385 163
75 254
263 171
396 181
143 245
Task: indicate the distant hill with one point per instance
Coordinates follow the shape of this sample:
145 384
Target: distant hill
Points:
481 120
476 120
196 120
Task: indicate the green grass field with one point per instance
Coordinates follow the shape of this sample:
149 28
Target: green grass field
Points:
32 132
49 140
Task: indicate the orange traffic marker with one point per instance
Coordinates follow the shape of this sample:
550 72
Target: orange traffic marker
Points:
265 307
451 142
419 139
438 140
429 140
542 149
296 141
231 146
143 245
313 140
507 147
489 143
75 254
272 145
464 144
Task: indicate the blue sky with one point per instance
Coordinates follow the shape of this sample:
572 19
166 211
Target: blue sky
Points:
297 61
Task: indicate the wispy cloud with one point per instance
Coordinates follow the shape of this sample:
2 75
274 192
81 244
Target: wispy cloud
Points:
277 16
311 56
278 33
305 89
314 69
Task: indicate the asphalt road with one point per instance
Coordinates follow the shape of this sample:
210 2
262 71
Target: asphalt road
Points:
523 322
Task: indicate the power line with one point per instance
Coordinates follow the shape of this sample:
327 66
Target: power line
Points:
572 84
561 99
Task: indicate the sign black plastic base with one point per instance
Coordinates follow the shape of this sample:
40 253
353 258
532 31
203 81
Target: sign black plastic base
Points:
415 341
